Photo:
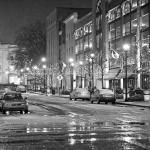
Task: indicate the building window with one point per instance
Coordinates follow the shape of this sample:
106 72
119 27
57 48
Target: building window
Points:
118 32
143 2
86 42
112 31
97 40
134 25
97 23
90 41
145 21
118 12
81 44
127 28
126 8
85 29
134 4
90 28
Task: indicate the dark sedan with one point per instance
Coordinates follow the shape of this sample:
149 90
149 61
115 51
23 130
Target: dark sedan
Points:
13 101
103 95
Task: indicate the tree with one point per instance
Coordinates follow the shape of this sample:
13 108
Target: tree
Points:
31 40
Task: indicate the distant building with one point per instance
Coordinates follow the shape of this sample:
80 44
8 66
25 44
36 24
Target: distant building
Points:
8 74
56 40
83 49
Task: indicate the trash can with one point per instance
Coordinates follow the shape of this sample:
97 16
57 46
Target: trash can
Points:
146 95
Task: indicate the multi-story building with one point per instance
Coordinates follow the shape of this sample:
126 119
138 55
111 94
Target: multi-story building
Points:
56 40
124 22
83 49
8 74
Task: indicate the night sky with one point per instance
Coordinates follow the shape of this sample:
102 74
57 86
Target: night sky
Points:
17 13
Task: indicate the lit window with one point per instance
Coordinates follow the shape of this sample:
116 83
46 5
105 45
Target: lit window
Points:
118 32
118 12
86 42
145 21
134 4
127 28
126 8
134 25
143 2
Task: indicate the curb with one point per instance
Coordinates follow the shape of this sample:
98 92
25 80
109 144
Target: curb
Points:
137 105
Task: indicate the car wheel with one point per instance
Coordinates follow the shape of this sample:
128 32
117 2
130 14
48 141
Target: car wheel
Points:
113 102
91 102
21 112
70 98
106 102
26 111
75 99
3 111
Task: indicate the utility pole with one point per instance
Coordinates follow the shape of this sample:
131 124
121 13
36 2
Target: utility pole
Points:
138 42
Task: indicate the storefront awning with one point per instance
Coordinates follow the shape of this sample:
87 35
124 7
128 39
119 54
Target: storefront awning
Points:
131 72
112 74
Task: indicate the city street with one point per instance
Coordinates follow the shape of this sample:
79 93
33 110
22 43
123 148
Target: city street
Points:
58 123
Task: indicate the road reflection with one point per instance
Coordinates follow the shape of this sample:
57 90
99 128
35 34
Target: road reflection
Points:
77 133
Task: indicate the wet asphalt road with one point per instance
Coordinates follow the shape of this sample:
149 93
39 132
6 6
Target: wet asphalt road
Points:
61 124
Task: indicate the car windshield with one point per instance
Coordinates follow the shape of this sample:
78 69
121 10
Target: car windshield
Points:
12 97
106 91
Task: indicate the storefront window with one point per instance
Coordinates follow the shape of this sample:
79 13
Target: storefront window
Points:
145 21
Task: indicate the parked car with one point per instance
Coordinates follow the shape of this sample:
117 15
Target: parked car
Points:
21 88
13 101
103 95
136 95
80 93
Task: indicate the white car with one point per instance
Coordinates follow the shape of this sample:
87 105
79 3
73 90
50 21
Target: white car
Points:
80 93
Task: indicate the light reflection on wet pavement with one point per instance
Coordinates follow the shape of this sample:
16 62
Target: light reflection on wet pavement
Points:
77 134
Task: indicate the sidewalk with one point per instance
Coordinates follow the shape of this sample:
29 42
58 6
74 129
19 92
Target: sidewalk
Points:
145 104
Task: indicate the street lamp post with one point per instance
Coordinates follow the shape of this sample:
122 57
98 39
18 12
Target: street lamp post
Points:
27 76
44 71
81 64
71 64
35 68
92 60
43 59
126 48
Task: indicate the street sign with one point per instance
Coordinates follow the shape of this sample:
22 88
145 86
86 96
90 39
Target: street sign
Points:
60 77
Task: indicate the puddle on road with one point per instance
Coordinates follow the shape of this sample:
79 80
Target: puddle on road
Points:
77 133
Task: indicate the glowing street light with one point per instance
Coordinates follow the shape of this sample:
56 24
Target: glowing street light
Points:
126 48
43 59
